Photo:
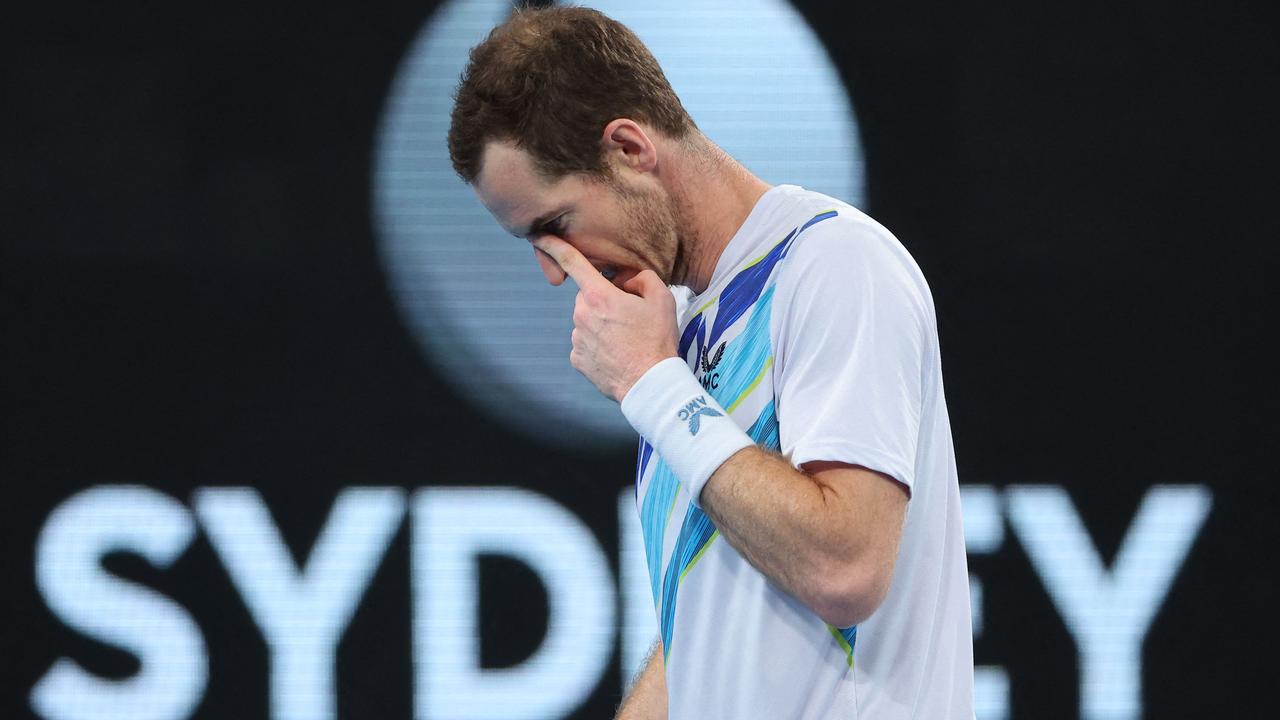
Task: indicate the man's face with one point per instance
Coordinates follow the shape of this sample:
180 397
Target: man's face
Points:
622 227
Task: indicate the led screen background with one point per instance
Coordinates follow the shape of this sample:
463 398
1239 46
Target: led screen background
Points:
239 485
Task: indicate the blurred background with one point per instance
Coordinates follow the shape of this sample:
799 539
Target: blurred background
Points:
289 430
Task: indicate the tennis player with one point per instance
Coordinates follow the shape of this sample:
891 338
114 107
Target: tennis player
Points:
795 477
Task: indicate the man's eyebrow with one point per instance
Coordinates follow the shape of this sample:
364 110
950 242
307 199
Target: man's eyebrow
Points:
538 222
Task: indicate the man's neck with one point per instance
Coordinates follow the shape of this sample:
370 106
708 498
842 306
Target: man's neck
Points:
714 194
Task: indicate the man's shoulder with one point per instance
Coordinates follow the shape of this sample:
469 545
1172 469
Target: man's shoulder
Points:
842 258
805 242
813 221
837 239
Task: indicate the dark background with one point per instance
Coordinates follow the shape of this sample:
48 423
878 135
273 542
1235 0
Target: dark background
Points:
192 297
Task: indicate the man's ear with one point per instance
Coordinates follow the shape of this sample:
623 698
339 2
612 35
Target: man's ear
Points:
628 145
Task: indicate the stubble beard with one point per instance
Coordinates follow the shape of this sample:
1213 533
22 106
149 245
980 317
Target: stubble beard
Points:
653 229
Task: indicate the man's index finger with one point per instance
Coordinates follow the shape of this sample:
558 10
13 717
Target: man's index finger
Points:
575 265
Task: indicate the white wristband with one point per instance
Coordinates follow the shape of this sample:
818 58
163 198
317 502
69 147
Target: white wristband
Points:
688 428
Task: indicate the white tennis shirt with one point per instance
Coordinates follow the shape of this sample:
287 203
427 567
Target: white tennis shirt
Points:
817 334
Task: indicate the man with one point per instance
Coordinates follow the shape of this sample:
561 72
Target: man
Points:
795 480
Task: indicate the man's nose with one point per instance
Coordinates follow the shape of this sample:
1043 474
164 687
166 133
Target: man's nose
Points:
550 268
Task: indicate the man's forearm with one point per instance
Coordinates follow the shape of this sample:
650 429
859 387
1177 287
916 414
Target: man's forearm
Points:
647 698
822 538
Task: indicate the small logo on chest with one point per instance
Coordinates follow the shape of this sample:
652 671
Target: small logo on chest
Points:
710 378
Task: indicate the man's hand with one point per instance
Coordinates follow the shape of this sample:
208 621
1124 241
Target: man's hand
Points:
617 335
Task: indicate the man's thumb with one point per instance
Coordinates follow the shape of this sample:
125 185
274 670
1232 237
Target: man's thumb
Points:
646 284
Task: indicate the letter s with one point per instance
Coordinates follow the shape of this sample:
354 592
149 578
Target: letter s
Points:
170 649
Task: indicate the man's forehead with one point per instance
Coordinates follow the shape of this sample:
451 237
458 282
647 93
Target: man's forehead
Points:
502 158
510 188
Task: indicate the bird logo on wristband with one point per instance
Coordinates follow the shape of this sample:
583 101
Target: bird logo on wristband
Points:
694 411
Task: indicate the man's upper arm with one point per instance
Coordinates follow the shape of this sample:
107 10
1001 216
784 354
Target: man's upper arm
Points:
853 330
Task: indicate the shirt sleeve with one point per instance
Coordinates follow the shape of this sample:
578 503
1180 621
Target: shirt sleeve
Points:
853 326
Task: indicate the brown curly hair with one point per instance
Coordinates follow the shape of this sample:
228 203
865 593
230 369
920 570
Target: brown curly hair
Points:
549 80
